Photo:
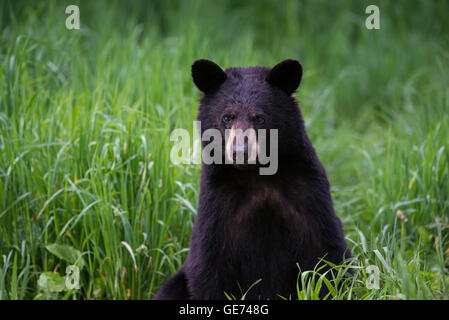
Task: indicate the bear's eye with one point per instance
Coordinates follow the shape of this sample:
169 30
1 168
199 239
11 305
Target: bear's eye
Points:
259 119
227 118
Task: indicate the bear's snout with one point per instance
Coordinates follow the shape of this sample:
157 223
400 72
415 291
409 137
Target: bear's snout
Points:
241 146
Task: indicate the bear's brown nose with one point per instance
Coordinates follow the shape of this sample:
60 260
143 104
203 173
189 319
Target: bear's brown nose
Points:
241 145
240 152
240 148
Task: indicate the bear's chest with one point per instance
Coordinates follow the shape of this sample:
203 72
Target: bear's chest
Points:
261 240
262 235
262 214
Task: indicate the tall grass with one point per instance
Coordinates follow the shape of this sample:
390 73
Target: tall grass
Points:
85 119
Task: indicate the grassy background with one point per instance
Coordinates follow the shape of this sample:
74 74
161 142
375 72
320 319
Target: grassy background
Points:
85 118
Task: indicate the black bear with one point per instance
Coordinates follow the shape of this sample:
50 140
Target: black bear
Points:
254 229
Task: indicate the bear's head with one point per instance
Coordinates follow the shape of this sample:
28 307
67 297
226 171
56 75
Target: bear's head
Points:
248 100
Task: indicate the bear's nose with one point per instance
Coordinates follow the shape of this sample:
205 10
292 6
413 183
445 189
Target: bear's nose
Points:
240 148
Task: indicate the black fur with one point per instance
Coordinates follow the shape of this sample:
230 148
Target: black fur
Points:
251 226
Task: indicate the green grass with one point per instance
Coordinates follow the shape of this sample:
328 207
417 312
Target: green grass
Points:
85 119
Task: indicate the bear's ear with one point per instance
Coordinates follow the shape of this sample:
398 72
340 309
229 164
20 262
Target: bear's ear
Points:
286 75
207 75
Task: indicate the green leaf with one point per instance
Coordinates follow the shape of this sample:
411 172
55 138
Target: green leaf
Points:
67 253
51 282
